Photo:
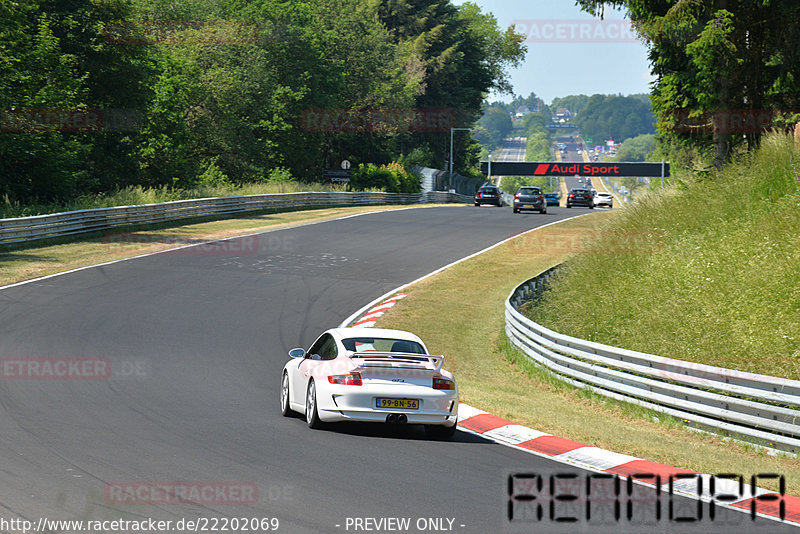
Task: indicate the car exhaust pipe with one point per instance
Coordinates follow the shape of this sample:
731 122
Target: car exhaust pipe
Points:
396 419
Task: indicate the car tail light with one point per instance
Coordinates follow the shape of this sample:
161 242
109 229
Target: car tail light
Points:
541 197
571 195
443 383
516 197
353 379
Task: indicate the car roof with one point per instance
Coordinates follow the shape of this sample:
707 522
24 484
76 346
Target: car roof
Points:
344 333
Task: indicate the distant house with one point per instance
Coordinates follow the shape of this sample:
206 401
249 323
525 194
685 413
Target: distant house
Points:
563 113
522 111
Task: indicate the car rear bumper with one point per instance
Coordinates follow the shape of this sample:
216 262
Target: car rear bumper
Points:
528 206
344 403
412 418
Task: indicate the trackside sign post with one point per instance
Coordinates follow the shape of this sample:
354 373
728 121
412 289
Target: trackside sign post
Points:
558 168
337 175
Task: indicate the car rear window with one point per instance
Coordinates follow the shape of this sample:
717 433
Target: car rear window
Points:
528 191
375 344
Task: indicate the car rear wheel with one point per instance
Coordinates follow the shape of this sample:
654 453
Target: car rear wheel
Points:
477 205
285 410
312 416
440 431
569 205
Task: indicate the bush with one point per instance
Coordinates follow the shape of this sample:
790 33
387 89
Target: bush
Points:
212 176
391 177
280 175
421 155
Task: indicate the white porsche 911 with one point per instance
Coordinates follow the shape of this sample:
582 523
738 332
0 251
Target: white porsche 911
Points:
371 375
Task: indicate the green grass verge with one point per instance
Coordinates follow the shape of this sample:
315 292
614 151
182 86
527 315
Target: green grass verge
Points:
494 377
705 272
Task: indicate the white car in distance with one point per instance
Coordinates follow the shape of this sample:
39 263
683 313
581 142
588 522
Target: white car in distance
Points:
370 375
603 199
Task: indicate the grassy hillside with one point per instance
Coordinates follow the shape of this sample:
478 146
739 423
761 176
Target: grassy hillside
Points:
707 271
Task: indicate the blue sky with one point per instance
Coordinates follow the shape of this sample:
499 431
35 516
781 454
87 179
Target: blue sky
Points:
558 65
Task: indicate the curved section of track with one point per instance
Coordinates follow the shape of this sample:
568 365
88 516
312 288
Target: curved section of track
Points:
195 340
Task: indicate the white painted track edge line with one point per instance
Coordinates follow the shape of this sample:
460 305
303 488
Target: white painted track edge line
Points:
102 264
388 294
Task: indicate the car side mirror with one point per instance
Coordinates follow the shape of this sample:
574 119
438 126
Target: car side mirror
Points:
297 353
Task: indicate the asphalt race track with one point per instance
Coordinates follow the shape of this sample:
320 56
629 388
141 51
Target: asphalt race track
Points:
195 340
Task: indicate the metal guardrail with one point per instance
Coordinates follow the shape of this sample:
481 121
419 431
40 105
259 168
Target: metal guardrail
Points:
75 222
757 408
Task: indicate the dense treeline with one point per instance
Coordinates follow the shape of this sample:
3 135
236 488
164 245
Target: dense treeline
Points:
496 123
599 117
532 102
615 117
636 148
494 126
538 142
97 96
574 103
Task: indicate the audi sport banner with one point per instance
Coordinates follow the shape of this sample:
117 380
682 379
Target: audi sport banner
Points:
556 168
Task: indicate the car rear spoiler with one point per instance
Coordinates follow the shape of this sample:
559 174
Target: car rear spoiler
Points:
406 360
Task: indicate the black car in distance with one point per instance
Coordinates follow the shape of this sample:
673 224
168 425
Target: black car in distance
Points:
579 196
529 198
489 194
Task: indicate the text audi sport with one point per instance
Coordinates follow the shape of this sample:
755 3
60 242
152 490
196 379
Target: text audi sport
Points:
370 375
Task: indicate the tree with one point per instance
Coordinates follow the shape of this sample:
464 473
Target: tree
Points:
574 103
636 148
56 68
721 66
461 53
615 117
495 125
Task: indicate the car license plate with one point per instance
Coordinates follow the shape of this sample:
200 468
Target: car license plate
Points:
402 404
527 205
